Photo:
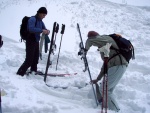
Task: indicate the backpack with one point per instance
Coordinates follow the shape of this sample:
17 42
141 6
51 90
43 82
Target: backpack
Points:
23 28
126 48
1 41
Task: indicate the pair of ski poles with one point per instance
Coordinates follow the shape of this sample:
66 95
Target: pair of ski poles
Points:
54 45
62 32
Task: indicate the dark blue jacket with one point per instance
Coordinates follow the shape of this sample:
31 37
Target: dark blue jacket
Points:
34 20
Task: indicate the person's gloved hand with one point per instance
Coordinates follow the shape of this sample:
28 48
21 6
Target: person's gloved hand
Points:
82 52
105 49
94 81
46 32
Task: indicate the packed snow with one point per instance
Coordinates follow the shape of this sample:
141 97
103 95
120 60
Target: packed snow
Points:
73 94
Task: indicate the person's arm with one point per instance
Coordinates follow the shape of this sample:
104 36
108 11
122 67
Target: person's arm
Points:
101 74
45 31
106 50
31 26
99 77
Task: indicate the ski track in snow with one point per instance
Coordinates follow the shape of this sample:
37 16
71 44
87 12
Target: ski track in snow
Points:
29 94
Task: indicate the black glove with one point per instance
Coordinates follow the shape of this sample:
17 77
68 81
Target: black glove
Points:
79 53
82 52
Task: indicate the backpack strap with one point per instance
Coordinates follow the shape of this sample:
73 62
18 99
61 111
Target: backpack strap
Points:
117 54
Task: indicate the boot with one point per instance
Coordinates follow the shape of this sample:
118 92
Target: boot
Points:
20 72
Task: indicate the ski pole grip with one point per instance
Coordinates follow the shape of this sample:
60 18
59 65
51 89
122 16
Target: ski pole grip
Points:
57 28
63 29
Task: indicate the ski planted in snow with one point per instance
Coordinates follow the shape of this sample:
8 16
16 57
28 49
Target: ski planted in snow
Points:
82 52
50 51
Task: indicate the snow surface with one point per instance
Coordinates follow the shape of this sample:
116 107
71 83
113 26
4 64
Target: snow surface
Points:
132 2
29 94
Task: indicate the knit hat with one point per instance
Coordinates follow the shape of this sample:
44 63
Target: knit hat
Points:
92 33
42 10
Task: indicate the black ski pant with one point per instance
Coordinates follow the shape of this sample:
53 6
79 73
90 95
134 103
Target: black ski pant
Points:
32 57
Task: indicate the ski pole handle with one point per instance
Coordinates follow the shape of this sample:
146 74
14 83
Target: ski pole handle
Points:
57 28
63 29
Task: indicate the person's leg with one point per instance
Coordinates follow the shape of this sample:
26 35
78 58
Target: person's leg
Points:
36 58
30 51
114 75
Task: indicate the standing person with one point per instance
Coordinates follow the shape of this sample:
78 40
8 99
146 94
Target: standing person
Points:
116 66
35 28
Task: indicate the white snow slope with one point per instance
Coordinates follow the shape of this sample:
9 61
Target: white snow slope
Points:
29 94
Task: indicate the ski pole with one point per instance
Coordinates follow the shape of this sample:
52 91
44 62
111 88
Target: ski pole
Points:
103 94
62 32
106 94
105 87
54 45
